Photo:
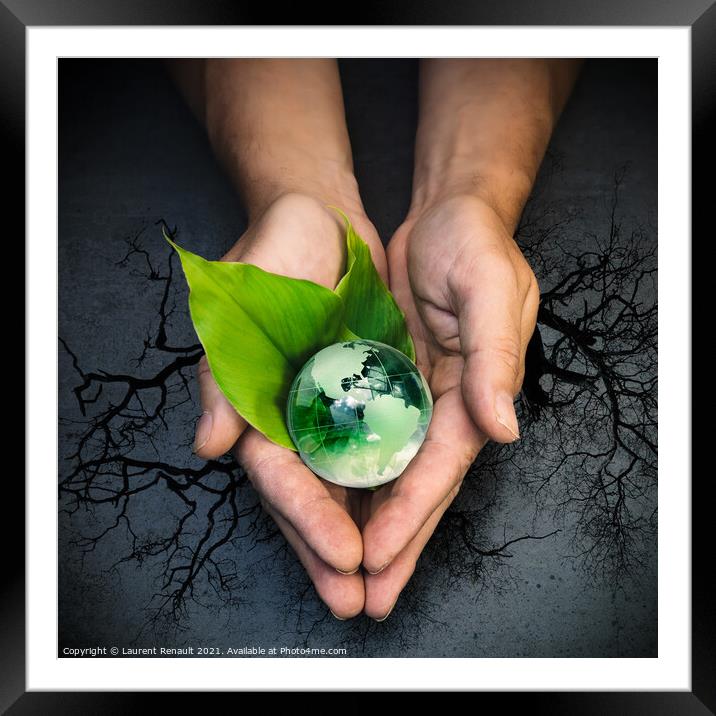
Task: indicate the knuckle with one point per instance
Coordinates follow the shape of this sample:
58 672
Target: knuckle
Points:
311 504
496 259
523 271
505 350
533 290
265 464
534 283
455 489
509 355
467 273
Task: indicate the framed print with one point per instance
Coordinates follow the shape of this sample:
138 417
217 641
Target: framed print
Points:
344 347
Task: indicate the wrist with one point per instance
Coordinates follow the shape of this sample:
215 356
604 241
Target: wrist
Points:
267 166
262 180
502 187
261 192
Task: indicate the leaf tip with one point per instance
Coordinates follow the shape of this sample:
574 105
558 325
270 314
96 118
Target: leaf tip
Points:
169 239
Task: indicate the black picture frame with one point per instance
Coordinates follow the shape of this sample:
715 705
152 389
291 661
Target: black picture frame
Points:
699 15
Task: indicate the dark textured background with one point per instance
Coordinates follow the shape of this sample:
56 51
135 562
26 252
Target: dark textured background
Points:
130 154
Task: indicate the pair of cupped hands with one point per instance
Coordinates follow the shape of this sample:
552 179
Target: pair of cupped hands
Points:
470 300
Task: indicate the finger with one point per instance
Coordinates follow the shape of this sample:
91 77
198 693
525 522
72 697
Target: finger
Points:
527 327
344 595
450 447
309 504
383 589
219 426
396 254
489 310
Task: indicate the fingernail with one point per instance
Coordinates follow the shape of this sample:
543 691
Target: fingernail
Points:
340 619
203 430
382 619
380 569
340 571
505 414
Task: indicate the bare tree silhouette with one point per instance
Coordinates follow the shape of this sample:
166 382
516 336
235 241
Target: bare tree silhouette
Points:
116 459
591 385
588 413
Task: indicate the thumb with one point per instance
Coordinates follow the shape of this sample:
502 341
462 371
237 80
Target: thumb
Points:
489 316
219 425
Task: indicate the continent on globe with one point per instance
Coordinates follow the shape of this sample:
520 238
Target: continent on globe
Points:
358 412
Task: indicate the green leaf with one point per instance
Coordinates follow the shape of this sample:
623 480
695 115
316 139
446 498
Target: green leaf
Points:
370 309
258 329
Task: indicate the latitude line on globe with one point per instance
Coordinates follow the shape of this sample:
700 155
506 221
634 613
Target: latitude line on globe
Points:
342 425
392 375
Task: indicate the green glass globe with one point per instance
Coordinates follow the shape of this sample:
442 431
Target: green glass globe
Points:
358 412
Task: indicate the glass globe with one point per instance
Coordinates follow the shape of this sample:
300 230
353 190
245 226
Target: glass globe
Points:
358 412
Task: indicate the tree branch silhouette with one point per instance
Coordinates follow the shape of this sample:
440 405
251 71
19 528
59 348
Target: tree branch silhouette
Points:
587 455
117 458
591 384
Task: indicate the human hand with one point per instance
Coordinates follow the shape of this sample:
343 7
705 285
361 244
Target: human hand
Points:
296 236
470 300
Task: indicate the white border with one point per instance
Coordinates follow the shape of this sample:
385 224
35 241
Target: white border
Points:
671 670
